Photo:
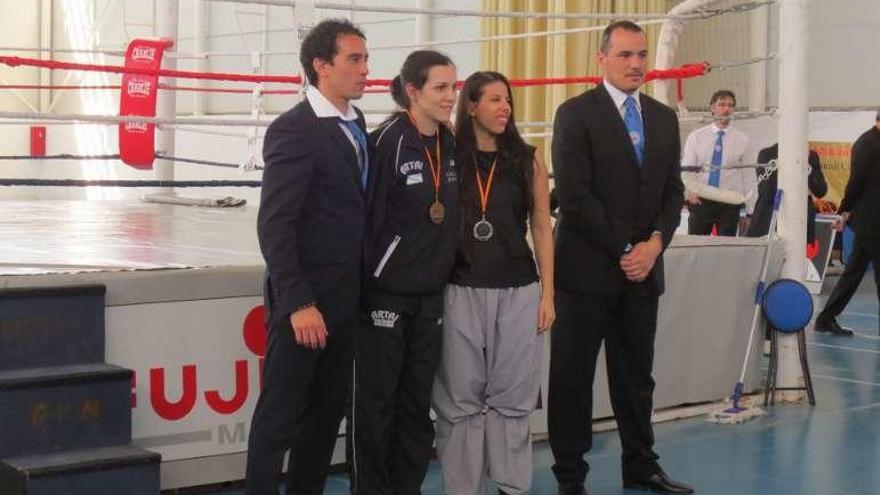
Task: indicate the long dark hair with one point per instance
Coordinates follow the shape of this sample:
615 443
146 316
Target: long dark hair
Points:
414 71
515 156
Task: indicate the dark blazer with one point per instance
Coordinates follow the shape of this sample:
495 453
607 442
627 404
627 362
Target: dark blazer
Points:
312 215
767 193
607 201
862 195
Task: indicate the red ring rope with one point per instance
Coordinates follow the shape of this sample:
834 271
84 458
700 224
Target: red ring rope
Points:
683 72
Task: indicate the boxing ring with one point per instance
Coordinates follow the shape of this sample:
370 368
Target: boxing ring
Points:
184 305
183 310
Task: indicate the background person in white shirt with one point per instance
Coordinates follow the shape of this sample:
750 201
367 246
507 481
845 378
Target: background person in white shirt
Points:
719 144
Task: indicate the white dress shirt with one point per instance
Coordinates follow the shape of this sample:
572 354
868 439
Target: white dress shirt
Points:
698 150
324 109
619 98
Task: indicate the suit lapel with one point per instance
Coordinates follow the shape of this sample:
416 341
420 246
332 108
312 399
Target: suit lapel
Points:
648 117
331 127
617 125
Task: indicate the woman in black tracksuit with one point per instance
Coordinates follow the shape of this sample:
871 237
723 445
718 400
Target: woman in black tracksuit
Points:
411 241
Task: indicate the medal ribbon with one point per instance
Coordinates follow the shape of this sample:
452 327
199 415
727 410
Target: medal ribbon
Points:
484 191
436 170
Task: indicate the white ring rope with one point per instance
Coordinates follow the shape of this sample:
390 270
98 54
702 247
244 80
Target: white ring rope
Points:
195 130
698 14
704 119
713 193
646 19
534 124
505 37
731 65
117 119
463 41
535 135
708 119
179 123
706 167
116 53
176 123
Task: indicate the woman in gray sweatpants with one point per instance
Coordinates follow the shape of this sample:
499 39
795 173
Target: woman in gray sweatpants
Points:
497 305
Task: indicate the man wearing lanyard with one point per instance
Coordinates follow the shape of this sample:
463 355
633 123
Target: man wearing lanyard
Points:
311 229
717 145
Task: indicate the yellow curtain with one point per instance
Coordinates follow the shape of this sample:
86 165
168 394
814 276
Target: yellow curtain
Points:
552 56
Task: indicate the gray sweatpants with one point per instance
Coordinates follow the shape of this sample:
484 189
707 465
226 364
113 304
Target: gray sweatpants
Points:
486 387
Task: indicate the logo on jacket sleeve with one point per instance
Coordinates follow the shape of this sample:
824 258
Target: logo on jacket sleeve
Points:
383 318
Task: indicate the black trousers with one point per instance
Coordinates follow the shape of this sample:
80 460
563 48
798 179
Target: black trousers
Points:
865 251
701 217
627 324
397 352
301 405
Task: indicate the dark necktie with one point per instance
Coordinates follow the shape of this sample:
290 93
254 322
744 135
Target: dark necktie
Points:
361 139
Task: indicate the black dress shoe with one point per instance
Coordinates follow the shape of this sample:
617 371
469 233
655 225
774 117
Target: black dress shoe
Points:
659 483
572 489
833 328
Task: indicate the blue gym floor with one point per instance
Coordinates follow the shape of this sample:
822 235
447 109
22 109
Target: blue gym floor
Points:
832 449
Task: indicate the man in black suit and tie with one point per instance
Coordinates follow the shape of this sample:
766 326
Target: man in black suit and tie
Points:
860 208
311 228
616 161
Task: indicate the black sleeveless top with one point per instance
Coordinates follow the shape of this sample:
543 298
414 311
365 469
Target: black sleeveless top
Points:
506 259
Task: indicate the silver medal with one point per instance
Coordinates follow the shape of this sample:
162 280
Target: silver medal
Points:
483 230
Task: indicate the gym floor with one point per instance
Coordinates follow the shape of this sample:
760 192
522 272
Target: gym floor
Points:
833 448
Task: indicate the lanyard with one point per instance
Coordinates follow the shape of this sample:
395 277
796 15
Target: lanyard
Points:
436 169
484 191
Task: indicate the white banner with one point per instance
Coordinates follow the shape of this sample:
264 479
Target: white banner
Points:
197 372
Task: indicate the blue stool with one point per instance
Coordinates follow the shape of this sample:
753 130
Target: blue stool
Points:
788 308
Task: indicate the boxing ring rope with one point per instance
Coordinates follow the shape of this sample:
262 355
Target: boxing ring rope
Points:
61 156
250 164
377 85
642 19
732 65
698 14
5 182
116 119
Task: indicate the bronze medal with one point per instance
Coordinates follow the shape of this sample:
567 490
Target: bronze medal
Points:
437 212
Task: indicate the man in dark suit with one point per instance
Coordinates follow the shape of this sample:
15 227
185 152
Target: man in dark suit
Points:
616 161
860 208
311 227
818 187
